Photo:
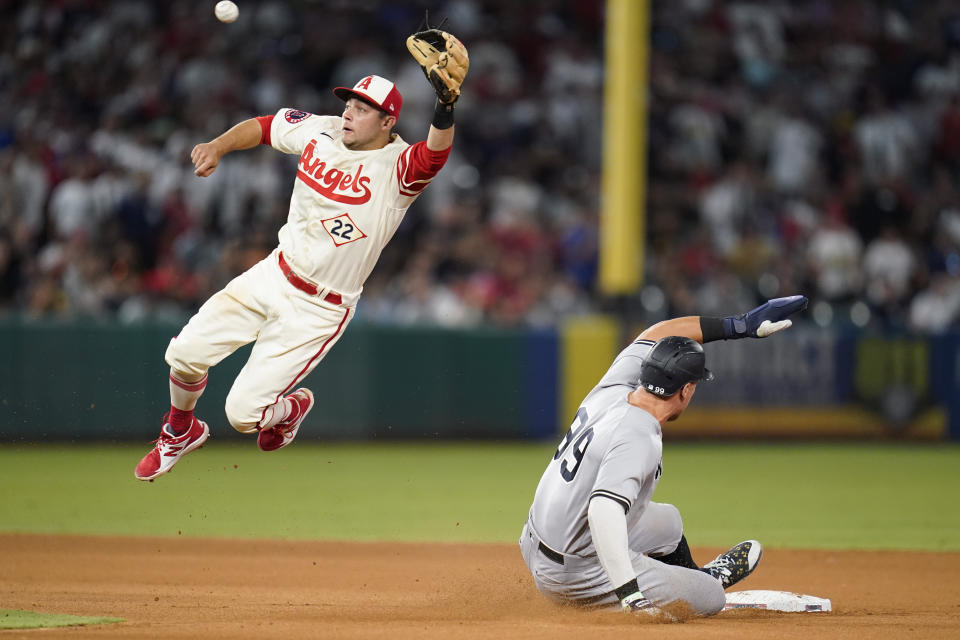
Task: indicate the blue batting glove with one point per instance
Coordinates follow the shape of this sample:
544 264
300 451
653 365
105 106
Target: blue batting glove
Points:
765 320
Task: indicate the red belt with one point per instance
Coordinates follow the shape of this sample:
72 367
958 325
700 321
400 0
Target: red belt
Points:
307 287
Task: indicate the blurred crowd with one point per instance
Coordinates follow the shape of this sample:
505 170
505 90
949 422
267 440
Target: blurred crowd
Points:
807 146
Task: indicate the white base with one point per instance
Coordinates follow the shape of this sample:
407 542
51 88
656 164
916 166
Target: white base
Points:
776 601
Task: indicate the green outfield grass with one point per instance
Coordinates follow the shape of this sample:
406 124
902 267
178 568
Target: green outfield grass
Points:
787 495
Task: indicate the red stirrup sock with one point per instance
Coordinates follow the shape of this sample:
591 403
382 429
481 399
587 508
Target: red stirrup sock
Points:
183 398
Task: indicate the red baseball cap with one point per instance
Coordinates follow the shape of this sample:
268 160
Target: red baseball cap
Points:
376 90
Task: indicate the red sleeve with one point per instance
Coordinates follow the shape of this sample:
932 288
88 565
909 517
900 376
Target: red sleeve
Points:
265 122
417 166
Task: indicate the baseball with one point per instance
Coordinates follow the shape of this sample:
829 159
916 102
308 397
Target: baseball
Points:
226 11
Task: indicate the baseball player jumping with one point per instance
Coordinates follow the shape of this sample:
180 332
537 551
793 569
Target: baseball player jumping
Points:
354 183
593 535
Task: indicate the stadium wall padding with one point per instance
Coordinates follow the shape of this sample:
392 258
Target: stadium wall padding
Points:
78 380
70 380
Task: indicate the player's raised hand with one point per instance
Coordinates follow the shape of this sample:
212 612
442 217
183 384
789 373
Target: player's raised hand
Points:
205 157
765 320
444 61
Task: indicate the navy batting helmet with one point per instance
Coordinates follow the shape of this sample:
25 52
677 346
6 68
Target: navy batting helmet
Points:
673 362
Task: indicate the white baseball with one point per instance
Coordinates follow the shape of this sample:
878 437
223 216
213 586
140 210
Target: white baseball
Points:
226 11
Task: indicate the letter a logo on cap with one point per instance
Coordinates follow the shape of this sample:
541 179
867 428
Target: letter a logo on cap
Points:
376 90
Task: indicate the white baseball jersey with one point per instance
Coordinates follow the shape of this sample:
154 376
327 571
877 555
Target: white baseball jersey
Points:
346 205
613 449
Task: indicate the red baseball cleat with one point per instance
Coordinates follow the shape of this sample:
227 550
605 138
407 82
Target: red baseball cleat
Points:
169 448
282 434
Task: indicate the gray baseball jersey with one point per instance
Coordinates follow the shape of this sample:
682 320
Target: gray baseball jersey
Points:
613 449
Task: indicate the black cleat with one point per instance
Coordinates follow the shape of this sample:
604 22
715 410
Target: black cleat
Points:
736 564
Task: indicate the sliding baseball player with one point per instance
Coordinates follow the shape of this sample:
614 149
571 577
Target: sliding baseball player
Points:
594 536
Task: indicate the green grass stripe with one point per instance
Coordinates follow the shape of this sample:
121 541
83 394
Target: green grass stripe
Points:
834 496
16 619
830 496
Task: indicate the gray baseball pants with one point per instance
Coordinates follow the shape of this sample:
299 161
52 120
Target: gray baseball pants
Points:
582 580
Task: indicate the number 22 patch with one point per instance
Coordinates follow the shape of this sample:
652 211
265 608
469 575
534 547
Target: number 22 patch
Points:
342 229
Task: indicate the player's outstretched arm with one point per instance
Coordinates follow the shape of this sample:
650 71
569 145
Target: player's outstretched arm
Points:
686 326
440 139
206 155
766 320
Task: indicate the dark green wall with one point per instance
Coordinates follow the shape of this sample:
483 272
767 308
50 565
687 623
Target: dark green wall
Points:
71 380
85 380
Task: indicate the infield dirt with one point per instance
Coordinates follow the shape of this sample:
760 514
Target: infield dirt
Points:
204 588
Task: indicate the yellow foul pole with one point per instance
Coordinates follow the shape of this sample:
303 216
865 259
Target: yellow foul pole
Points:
623 198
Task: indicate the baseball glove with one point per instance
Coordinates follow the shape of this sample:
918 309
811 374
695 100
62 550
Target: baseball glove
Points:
444 61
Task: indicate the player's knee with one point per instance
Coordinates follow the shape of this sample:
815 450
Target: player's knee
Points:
668 528
178 357
714 601
240 415
673 523
241 422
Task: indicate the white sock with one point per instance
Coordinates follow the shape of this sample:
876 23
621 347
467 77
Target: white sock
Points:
277 413
183 394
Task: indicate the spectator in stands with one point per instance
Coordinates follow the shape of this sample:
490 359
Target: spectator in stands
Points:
888 267
937 307
834 255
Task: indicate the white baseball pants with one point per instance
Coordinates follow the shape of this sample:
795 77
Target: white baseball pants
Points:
292 331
